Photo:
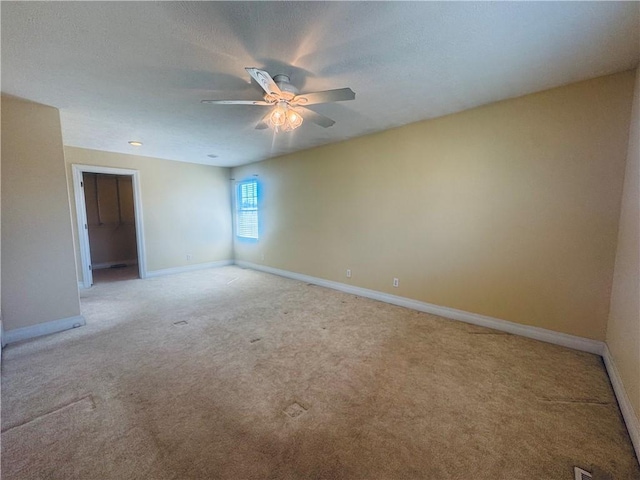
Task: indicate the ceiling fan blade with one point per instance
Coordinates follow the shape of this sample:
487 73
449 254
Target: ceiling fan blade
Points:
265 81
236 102
315 117
337 95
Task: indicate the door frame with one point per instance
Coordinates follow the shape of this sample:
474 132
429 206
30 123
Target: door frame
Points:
81 215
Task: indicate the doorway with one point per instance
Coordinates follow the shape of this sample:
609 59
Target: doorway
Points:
109 214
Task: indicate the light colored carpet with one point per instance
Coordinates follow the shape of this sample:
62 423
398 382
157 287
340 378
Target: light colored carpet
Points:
105 275
375 391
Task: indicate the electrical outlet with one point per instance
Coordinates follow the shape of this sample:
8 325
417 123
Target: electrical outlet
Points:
348 273
188 257
396 282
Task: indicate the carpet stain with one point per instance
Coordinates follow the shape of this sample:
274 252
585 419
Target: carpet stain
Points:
295 410
181 322
255 340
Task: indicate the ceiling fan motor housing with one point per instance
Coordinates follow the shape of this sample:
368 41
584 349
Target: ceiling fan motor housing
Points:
284 83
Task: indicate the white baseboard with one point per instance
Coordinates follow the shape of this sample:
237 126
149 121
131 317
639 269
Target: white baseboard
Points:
629 415
188 268
542 334
80 285
98 266
54 326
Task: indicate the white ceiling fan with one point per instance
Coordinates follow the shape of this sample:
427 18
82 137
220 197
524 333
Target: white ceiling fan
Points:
289 106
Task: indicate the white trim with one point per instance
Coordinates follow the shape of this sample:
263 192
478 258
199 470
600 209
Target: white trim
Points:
188 268
542 334
83 236
81 215
81 286
98 266
629 415
54 326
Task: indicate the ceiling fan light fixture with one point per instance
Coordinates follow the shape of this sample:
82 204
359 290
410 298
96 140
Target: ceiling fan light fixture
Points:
278 117
284 118
294 119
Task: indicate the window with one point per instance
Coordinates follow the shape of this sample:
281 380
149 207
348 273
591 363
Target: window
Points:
247 209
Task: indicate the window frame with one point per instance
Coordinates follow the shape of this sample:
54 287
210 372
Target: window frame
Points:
240 200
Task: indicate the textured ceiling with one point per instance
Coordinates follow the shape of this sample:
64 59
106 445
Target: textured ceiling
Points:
121 71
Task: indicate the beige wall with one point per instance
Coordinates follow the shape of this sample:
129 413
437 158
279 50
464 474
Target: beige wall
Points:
1 317
186 207
623 333
110 218
38 269
508 210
